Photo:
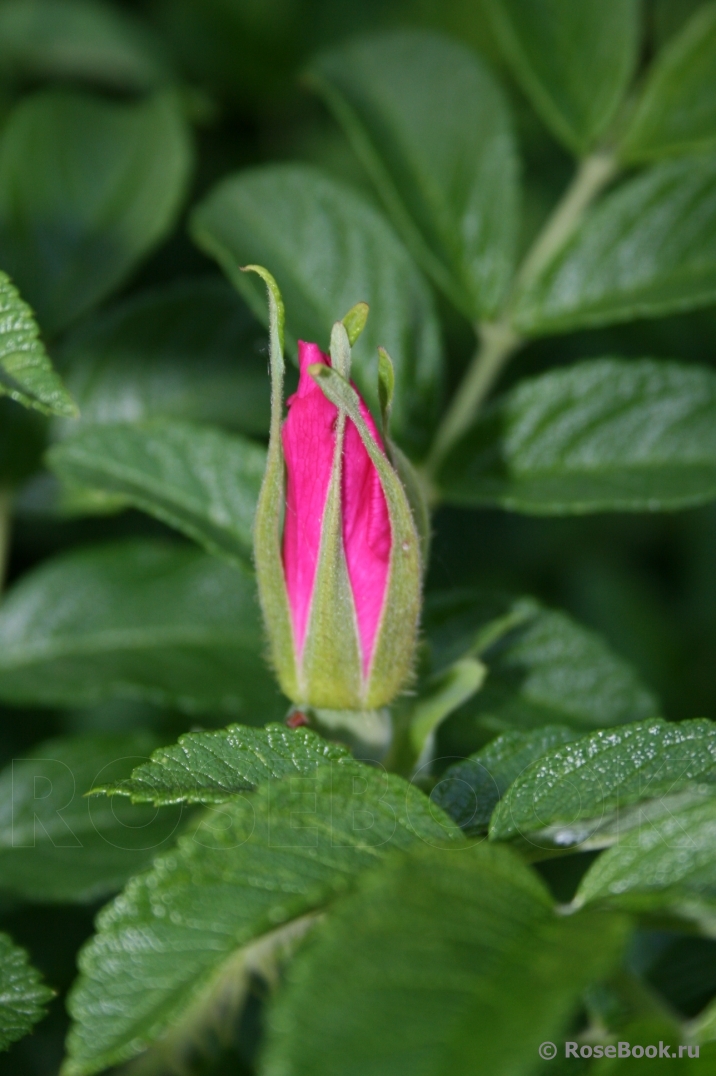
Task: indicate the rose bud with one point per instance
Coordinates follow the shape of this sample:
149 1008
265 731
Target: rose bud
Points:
336 548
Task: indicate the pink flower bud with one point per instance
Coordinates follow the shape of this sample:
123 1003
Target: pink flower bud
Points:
336 547
309 440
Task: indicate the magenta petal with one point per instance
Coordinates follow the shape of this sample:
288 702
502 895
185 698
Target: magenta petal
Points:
366 534
308 444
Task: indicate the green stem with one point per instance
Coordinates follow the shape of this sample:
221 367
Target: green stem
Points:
498 340
590 179
497 343
5 525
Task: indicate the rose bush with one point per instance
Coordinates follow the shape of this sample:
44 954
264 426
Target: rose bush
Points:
357 713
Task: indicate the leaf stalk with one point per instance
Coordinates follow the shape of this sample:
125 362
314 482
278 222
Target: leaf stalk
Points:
498 341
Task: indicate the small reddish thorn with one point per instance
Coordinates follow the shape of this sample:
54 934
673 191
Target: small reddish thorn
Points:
296 720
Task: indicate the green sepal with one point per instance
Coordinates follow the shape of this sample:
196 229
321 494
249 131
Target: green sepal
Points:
341 349
386 388
268 522
354 321
415 492
443 695
330 672
410 478
392 661
417 719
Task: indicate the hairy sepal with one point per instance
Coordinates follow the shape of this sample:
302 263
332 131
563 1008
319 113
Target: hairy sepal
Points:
268 522
392 659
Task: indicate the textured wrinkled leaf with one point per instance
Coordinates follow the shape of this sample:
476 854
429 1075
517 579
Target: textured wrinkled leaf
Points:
213 767
570 794
56 845
188 350
647 250
137 620
470 790
22 993
87 188
446 961
26 373
250 867
665 866
328 249
199 479
676 113
543 667
573 60
432 128
78 39
605 434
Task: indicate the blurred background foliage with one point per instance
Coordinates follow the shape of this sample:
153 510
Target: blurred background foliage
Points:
646 582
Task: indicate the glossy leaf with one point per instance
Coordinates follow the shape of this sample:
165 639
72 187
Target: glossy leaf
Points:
198 479
646 250
87 188
566 797
432 128
78 39
676 113
213 767
26 373
543 667
666 866
188 932
188 350
137 620
456 964
604 435
22 993
56 845
470 790
574 61
328 249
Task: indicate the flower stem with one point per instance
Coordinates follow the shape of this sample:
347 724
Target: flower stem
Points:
590 179
498 340
497 343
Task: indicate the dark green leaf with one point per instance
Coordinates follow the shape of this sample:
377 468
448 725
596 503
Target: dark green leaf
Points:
573 60
56 845
676 113
22 995
138 620
543 667
328 249
445 962
574 793
213 767
432 128
188 350
199 479
26 373
602 435
647 250
78 39
665 865
469 790
179 943
87 188
22 442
